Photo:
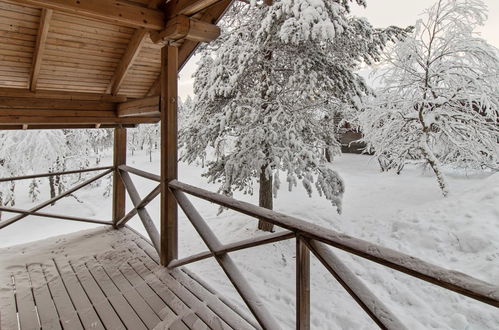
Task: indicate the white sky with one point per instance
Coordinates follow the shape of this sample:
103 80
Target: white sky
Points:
381 13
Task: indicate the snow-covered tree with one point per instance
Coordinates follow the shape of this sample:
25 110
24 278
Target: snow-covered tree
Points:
264 88
440 97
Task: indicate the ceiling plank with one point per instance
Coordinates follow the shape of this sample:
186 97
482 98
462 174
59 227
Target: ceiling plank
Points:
114 11
43 30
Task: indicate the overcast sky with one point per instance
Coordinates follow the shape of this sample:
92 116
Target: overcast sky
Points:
381 13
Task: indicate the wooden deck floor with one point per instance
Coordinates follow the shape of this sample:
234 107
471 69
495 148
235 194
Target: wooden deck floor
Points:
104 279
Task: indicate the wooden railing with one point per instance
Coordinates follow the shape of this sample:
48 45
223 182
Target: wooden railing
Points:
308 236
311 237
35 211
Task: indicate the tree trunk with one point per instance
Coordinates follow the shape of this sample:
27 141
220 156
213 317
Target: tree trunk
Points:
52 185
432 160
328 155
266 199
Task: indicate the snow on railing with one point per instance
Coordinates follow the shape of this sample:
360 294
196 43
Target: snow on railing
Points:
311 237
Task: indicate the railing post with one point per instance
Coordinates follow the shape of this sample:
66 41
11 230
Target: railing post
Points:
119 158
302 285
168 110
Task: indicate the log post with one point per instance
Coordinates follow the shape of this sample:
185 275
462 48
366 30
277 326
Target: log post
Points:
119 158
302 285
168 110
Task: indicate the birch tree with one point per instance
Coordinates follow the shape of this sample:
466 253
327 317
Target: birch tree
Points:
440 97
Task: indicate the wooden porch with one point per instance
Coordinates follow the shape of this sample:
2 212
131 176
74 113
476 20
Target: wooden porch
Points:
104 279
68 64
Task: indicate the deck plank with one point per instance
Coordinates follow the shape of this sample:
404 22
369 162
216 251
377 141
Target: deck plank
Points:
8 319
115 297
47 312
200 308
152 299
104 309
229 316
143 310
108 282
65 308
28 318
174 303
80 299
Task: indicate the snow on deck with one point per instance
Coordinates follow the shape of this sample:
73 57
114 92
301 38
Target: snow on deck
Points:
103 279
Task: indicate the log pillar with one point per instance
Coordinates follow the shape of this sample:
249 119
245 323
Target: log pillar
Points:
302 285
119 158
168 110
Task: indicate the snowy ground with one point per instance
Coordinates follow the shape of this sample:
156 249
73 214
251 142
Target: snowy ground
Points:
403 212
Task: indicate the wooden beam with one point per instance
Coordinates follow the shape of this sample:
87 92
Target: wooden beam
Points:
188 47
183 27
21 103
43 30
119 158
114 11
187 7
142 107
63 126
169 117
131 53
46 94
302 285
79 118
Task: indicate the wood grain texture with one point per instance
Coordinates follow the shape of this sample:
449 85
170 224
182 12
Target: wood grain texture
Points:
43 30
119 12
119 190
169 150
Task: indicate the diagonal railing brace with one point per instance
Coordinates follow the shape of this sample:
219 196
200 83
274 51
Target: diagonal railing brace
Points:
10 221
253 302
146 219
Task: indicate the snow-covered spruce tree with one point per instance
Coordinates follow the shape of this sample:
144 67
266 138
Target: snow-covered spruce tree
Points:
264 88
440 97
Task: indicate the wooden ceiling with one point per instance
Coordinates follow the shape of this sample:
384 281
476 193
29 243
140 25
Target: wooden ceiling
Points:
66 63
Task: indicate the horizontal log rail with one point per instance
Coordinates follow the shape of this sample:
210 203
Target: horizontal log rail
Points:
140 173
43 175
241 245
55 216
318 240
